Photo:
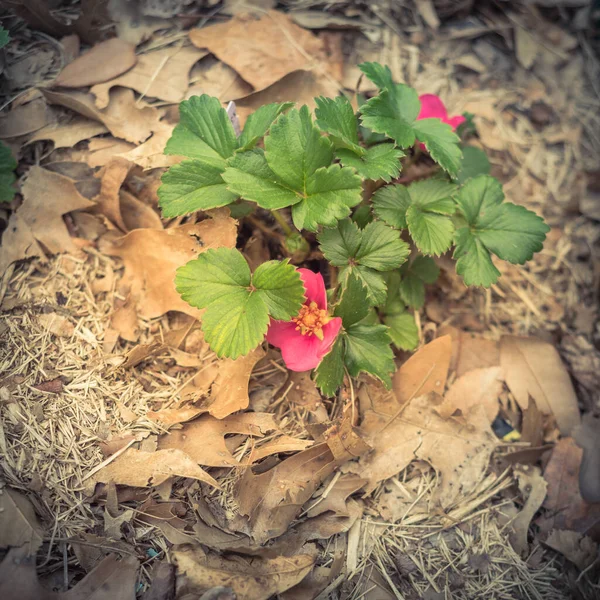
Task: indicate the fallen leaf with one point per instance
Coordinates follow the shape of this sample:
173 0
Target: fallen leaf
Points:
112 578
19 525
470 351
317 580
301 87
532 426
25 119
533 488
69 134
425 371
52 386
588 439
565 508
46 197
124 320
273 46
124 116
458 448
151 154
477 387
162 582
303 391
101 150
336 498
173 416
250 578
274 498
56 324
150 274
533 367
112 525
204 438
581 550
215 78
162 74
137 468
104 61
279 445
97 548
131 24
526 47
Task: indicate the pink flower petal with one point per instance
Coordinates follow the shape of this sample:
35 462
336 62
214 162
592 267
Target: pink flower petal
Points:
454 122
280 331
303 352
315 287
432 106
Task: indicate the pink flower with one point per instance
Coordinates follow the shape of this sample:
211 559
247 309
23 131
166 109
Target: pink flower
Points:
432 106
308 337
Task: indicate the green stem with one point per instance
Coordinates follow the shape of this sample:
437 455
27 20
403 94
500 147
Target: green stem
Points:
282 222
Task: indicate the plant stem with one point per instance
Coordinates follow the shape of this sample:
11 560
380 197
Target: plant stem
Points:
282 222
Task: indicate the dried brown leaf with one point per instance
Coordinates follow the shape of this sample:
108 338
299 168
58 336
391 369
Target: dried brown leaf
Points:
425 371
123 116
282 444
137 468
162 74
470 351
25 119
69 134
19 525
204 438
104 61
581 550
151 154
52 386
336 499
250 578
56 324
534 368
215 78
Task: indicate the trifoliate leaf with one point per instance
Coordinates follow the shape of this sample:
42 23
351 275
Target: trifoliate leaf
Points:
4 37
336 117
441 143
7 177
353 305
259 122
368 350
373 282
204 131
474 162
431 232
193 185
249 176
393 112
280 287
511 232
390 204
238 305
329 375
362 216
403 330
378 162
381 76
330 194
295 149
340 244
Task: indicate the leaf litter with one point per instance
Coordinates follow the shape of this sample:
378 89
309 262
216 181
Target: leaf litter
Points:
298 497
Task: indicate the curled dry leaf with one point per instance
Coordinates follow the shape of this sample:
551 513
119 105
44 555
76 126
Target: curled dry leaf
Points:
162 74
250 578
137 468
470 351
279 445
151 154
336 499
458 448
47 196
534 368
19 526
66 135
533 488
588 439
204 438
104 61
151 258
581 550
425 371
123 116
26 118
273 46
215 78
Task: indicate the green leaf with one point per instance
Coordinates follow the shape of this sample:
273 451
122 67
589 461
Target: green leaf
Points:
390 204
7 177
295 149
393 112
373 282
280 287
474 162
353 305
412 290
204 131
378 162
336 117
329 375
330 194
362 215
4 37
241 209
249 176
368 350
193 185
511 232
425 268
441 143
340 244
403 330
381 76
238 305
259 122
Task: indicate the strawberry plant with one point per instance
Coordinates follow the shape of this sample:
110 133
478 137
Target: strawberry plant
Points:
337 175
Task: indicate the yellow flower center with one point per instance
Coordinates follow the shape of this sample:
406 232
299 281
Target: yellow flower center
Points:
311 319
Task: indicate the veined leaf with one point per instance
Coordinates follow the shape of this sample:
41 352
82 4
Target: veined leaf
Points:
381 76
403 330
474 162
277 284
378 162
336 117
7 176
368 350
511 232
4 37
441 143
353 305
259 122
329 375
